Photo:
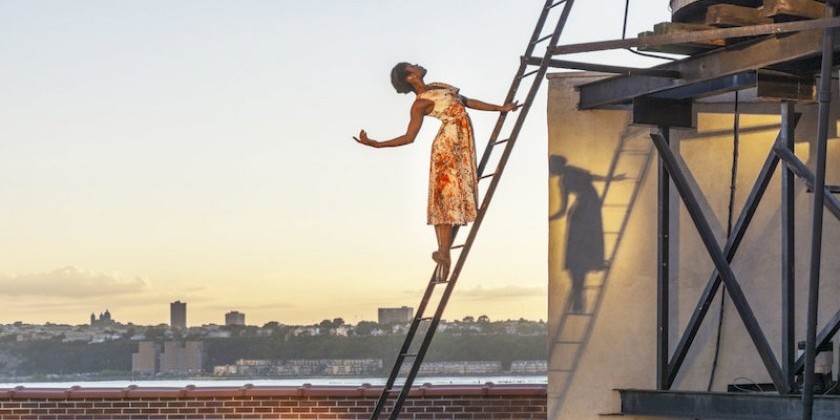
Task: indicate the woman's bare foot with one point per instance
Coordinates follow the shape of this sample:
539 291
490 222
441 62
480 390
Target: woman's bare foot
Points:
443 261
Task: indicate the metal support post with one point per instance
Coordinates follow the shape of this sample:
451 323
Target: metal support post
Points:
662 273
788 250
817 226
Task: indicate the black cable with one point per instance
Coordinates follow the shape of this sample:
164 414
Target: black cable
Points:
735 146
624 36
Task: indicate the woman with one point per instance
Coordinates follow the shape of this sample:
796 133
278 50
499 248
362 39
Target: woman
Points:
453 192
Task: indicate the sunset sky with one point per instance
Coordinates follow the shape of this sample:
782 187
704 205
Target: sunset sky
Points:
153 151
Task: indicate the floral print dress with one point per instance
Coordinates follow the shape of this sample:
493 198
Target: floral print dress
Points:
453 193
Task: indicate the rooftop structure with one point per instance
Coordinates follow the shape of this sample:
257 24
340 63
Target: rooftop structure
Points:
750 100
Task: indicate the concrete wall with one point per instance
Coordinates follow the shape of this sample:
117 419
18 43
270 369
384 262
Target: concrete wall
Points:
616 333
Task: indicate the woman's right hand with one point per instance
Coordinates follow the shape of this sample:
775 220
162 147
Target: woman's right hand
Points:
364 139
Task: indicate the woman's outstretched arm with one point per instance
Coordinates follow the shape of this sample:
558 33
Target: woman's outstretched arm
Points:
484 106
418 110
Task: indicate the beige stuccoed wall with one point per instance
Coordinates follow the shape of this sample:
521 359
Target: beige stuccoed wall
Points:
619 350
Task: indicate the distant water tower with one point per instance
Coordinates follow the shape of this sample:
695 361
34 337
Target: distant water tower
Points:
694 11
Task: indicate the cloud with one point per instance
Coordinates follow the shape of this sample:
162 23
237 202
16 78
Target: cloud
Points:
495 293
264 306
70 282
501 293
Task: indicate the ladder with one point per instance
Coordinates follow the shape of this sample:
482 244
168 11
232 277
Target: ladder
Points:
632 157
411 352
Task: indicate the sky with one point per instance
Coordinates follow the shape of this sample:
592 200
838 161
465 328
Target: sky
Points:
201 151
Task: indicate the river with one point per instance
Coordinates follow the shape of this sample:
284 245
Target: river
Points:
181 383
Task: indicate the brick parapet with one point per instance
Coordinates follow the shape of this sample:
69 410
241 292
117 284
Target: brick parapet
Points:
255 402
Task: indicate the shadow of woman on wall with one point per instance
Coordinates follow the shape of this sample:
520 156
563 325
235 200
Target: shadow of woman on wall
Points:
584 225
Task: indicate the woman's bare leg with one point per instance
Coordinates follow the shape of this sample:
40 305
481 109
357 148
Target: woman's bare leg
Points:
441 256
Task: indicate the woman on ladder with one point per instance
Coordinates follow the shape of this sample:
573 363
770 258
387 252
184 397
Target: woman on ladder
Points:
453 192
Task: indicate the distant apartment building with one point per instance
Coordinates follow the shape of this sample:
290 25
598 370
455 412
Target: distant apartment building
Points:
457 368
399 315
234 318
182 358
173 358
301 367
147 359
529 367
178 314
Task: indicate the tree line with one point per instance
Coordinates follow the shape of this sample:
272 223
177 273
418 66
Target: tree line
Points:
53 356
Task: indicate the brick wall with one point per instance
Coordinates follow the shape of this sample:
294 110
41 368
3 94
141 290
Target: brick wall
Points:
258 402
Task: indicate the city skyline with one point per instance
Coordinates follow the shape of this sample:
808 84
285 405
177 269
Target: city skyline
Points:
201 151
106 320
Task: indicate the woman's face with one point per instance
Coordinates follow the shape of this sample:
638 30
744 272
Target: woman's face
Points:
415 70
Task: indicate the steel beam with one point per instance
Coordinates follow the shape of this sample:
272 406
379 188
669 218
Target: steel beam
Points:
604 68
721 263
698 36
805 175
788 206
663 272
817 221
744 80
717 405
703 67
663 112
768 84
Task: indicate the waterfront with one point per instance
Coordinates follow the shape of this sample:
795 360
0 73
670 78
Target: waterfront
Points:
181 383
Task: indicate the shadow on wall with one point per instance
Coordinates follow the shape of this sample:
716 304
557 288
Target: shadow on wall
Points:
584 225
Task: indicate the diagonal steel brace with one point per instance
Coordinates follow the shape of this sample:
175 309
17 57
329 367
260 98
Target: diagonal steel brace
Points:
721 263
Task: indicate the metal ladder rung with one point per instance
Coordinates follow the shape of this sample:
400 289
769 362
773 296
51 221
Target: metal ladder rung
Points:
457 246
557 4
530 73
408 354
501 141
542 39
487 176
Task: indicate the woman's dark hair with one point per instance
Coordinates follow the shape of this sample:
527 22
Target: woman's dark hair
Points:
398 75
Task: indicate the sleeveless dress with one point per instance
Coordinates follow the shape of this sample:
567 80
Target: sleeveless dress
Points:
453 195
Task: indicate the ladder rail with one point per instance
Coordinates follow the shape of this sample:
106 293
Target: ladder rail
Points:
517 79
473 231
398 362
